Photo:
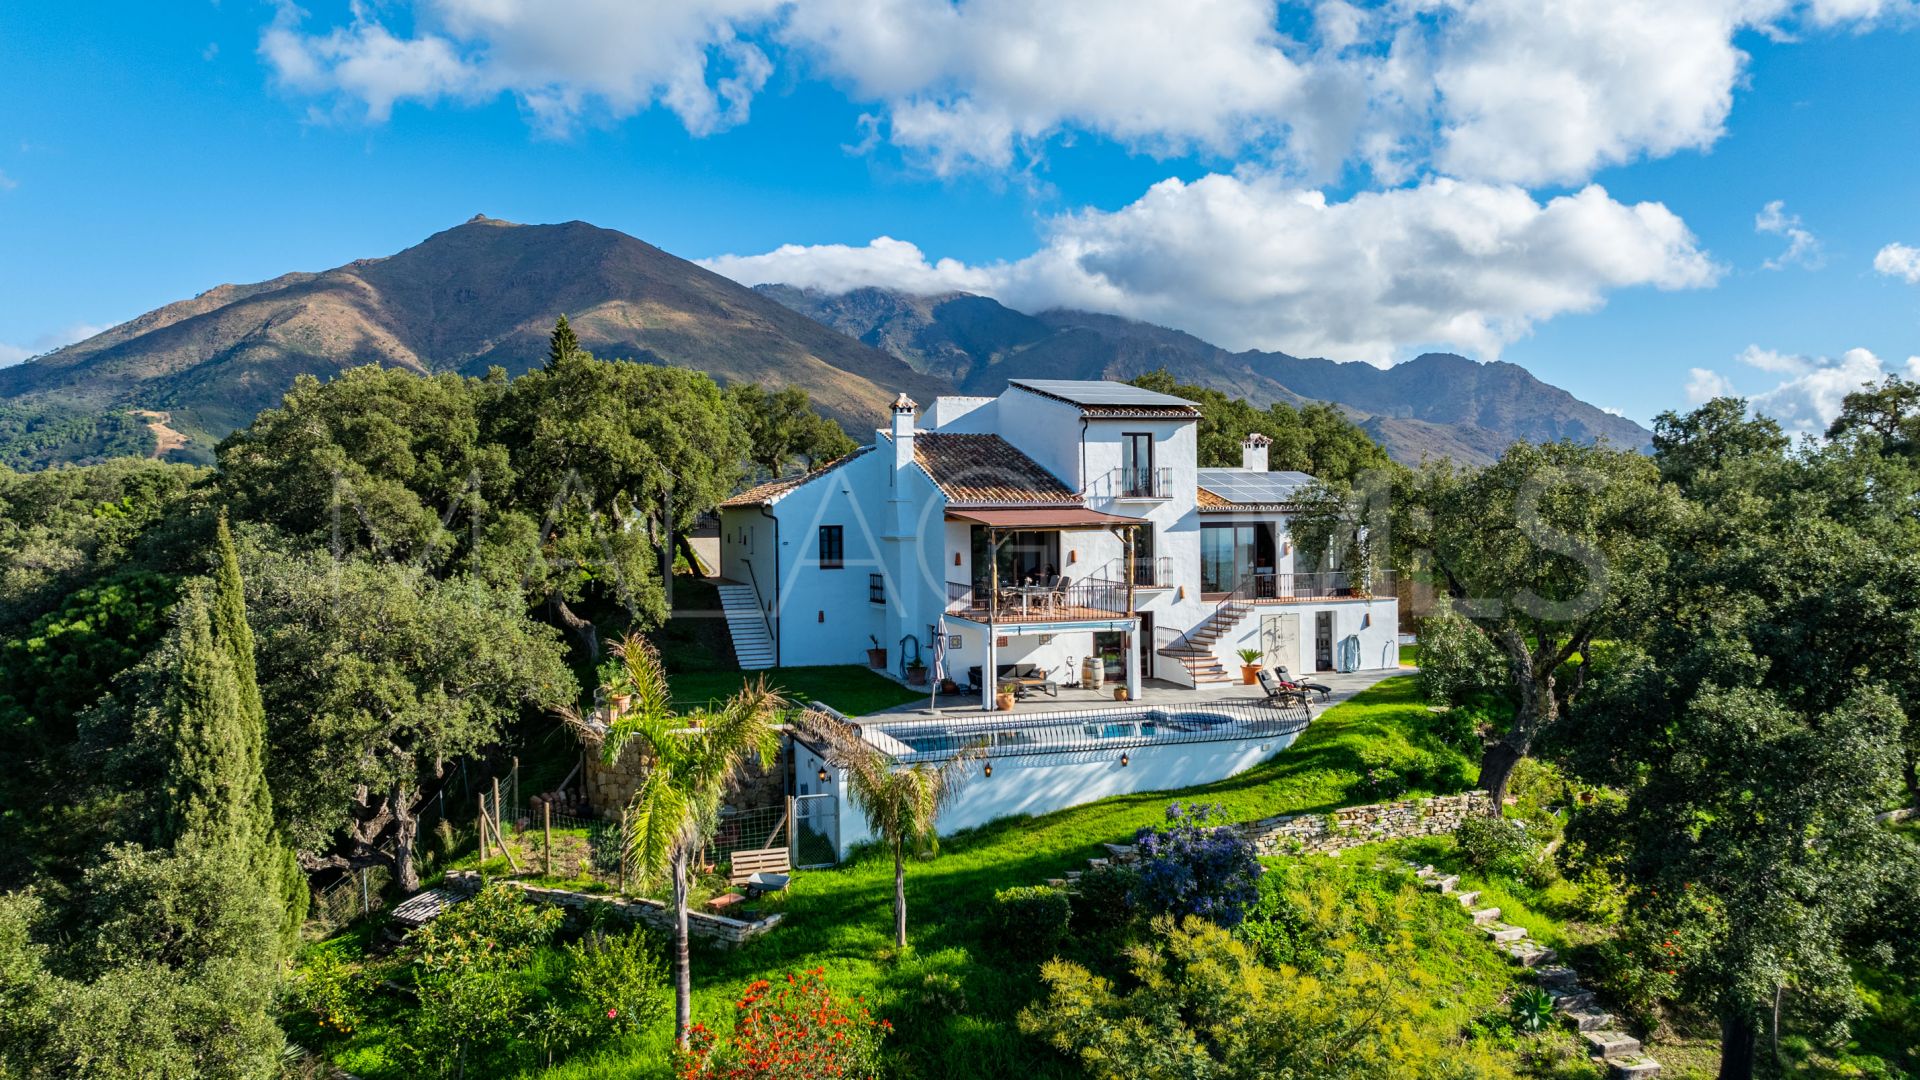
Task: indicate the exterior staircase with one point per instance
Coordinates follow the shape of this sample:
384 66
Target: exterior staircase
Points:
1194 650
752 645
1621 1054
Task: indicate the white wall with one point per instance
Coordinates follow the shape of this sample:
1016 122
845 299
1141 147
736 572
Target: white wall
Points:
1041 783
1373 621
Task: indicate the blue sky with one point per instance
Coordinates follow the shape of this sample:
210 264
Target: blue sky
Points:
1577 193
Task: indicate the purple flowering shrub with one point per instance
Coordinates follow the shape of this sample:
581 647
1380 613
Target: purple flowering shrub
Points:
1197 865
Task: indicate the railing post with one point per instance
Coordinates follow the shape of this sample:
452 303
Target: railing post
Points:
546 827
480 823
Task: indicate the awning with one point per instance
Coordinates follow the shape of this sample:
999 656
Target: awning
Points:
1050 517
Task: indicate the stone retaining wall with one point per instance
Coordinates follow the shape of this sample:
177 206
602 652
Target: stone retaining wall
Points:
718 928
1351 826
610 787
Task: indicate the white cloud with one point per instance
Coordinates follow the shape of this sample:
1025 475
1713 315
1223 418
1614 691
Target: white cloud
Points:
1809 400
11 354
1899 260
1803 248
559 58
1770 360
1495 90
1254 263
1703 385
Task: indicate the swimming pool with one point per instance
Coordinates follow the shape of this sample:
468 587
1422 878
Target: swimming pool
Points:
1092 729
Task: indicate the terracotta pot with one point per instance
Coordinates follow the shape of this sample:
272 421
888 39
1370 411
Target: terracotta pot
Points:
1249 673
1120 694
916 676
620 703
1003 702
877 658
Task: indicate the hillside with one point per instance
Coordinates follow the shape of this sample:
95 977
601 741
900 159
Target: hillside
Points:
484 293
1436 405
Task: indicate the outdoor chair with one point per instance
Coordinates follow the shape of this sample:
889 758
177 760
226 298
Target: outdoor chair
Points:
1325 691
1057 594
1279 691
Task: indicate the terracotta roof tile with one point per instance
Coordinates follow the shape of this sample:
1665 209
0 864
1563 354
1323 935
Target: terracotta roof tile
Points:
1207 500
771 491
986 470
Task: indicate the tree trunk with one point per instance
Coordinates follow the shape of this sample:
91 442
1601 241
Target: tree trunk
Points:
1913 782
1737 1039
685 547
581 629
899 897
406 829
682 974
1496 768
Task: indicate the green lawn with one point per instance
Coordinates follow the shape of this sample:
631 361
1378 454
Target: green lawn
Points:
852 689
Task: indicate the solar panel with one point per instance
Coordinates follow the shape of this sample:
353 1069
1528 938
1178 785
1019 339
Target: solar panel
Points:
1101 392
1241 486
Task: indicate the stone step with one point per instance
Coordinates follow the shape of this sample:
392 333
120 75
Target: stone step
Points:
1575 998
1096 864
1057 883
1485 915
1590 1019
1531 954
1500 931
1610 1044
1632 1067
1557 976
1119 851
1467 899
1073 875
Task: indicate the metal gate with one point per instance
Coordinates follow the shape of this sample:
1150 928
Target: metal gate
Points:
815 831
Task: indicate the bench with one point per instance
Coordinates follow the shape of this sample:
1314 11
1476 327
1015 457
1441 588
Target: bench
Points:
751 861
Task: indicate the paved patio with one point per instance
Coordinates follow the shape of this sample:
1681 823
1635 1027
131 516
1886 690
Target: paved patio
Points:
1154 692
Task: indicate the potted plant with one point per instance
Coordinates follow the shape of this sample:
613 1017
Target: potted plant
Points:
876 656
1249 666
916 673
613 679
1003 699
1120 694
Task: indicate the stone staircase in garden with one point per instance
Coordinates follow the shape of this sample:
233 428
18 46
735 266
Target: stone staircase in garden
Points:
752 645
1576 1005
1194 650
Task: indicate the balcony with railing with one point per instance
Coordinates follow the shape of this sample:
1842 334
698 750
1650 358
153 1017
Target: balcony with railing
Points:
1306 588
1064 601
1138 482
1144 572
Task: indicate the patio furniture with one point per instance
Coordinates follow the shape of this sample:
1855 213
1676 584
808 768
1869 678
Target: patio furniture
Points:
1279 691
1026 678
1325 691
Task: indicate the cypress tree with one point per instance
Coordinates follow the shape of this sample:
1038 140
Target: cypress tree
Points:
210 793
562 344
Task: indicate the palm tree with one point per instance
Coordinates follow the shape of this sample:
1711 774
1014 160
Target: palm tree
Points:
694 758
901 805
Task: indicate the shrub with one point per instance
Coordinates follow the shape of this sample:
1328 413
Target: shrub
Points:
1104 902
794 1030
617 981
494 930
330 988
1457 662
1197 867
1502 847
1032 919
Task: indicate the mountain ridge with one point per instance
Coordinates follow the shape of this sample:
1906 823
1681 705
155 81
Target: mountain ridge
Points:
1437 404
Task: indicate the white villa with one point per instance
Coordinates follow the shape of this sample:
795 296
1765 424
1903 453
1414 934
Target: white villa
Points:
1060 530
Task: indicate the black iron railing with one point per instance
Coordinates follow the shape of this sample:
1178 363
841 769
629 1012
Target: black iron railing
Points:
1084 730
1089 598
1333 584
1142 483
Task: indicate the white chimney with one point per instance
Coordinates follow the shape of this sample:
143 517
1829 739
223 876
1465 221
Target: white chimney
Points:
903 429
1253 452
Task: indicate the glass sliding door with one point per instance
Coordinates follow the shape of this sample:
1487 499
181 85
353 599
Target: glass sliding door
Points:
1226 556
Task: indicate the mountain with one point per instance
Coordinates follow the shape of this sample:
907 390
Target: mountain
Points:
483 293
1435 405
487 292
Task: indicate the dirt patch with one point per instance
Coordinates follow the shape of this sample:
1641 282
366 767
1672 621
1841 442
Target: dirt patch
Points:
164 438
